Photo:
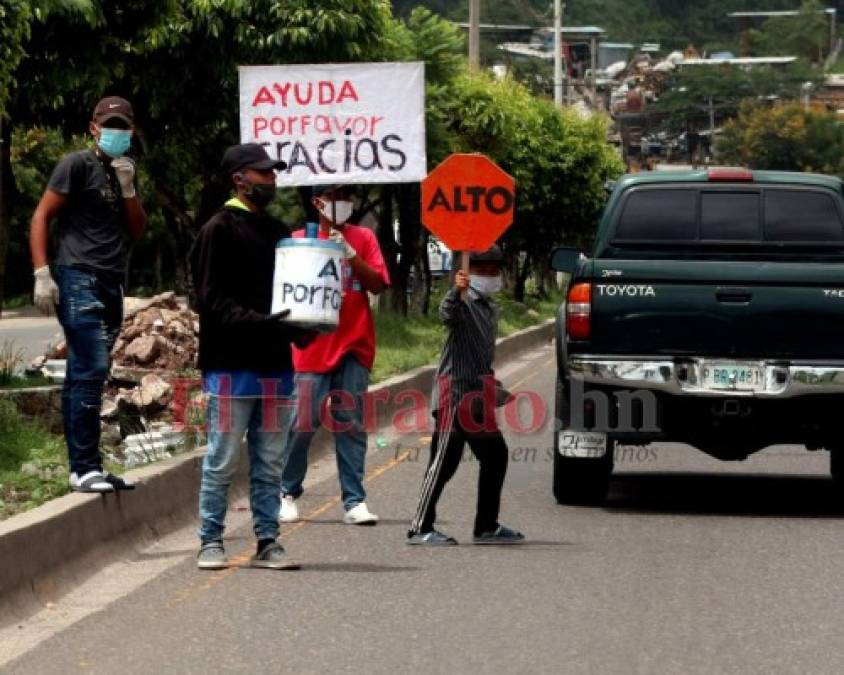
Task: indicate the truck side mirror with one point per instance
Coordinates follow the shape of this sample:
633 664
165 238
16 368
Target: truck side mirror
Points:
565 259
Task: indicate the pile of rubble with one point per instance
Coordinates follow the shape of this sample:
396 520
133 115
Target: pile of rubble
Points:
158 341
157 334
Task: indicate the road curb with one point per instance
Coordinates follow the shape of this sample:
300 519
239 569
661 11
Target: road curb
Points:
48 549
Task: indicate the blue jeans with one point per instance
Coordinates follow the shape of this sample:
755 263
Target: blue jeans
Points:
265 422
312 389
90 312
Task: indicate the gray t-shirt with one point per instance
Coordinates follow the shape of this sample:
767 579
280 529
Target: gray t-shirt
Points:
92 225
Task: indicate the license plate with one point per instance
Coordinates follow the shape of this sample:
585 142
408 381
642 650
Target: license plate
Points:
582 444
732 376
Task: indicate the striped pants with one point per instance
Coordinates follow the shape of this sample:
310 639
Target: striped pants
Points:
447 444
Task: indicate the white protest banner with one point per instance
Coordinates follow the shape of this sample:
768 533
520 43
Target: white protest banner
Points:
338 123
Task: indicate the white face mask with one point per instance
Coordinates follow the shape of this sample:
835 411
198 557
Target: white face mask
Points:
485 285
342 211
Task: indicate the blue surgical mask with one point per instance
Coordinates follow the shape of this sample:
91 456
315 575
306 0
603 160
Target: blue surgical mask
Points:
115 142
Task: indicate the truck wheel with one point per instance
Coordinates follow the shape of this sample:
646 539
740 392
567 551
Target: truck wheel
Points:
582 481
578 480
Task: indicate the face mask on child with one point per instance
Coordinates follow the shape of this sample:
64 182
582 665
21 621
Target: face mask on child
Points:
485 285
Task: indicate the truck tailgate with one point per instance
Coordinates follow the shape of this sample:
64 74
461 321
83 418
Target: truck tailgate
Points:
747 308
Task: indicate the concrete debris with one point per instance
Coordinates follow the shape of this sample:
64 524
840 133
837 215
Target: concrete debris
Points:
143 350
58 352
151 446
110 409
152 395
157 334
159 340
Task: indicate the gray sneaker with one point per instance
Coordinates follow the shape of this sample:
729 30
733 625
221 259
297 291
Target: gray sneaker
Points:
212 556
501 535
273 557
432 538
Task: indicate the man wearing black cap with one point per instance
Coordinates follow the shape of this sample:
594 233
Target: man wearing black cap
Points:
92 195
463 402
244 355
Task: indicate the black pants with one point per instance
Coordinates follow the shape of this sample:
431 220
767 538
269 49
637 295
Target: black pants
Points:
489 448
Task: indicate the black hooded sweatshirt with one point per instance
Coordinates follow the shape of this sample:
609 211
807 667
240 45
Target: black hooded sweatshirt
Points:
233 261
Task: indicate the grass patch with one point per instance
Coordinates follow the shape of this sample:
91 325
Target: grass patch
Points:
20 382
407 342
10 359
33 462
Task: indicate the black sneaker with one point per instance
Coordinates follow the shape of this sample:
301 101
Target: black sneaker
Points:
432 538
273 557
502 535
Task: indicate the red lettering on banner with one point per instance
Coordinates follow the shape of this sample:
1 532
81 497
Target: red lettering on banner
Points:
282 91
302 99
347 91
263 96
303 93
326 93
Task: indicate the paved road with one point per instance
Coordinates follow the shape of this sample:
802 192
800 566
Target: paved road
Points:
693 566
29 331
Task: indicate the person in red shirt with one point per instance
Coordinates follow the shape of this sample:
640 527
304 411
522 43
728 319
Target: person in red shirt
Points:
339 361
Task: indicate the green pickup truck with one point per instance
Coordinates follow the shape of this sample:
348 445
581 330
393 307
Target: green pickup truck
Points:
709 312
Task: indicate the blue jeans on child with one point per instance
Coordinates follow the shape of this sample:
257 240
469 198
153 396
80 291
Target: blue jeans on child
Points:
265 422
312 389
90 312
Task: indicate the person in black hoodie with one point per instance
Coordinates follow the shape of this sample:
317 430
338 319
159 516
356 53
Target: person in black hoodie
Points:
244 355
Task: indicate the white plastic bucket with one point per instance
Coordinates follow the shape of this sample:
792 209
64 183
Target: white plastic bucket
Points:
308 281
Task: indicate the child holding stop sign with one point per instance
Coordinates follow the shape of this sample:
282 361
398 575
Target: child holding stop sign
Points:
463 403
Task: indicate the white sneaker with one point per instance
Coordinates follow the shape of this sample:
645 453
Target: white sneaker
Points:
360 515
289 512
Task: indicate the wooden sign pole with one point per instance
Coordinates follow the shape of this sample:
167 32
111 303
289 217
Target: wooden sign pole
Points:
464 267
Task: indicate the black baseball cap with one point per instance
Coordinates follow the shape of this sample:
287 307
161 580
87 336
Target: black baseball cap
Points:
248 156
114 106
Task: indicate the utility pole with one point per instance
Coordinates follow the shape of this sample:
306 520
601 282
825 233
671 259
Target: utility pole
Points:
558 54
475 33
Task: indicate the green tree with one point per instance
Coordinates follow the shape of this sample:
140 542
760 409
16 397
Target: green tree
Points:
177 61
806 35
687 95
17 19
784 137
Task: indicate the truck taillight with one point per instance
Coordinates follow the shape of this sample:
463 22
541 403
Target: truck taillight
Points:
579 312
729 175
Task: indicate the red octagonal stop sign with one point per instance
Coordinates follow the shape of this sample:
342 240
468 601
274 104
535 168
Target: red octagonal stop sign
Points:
467 202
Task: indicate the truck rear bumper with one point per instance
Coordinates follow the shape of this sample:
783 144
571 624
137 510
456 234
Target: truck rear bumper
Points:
684 376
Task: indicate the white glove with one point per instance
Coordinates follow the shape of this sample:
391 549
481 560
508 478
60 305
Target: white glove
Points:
337 237
125 170
46 292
